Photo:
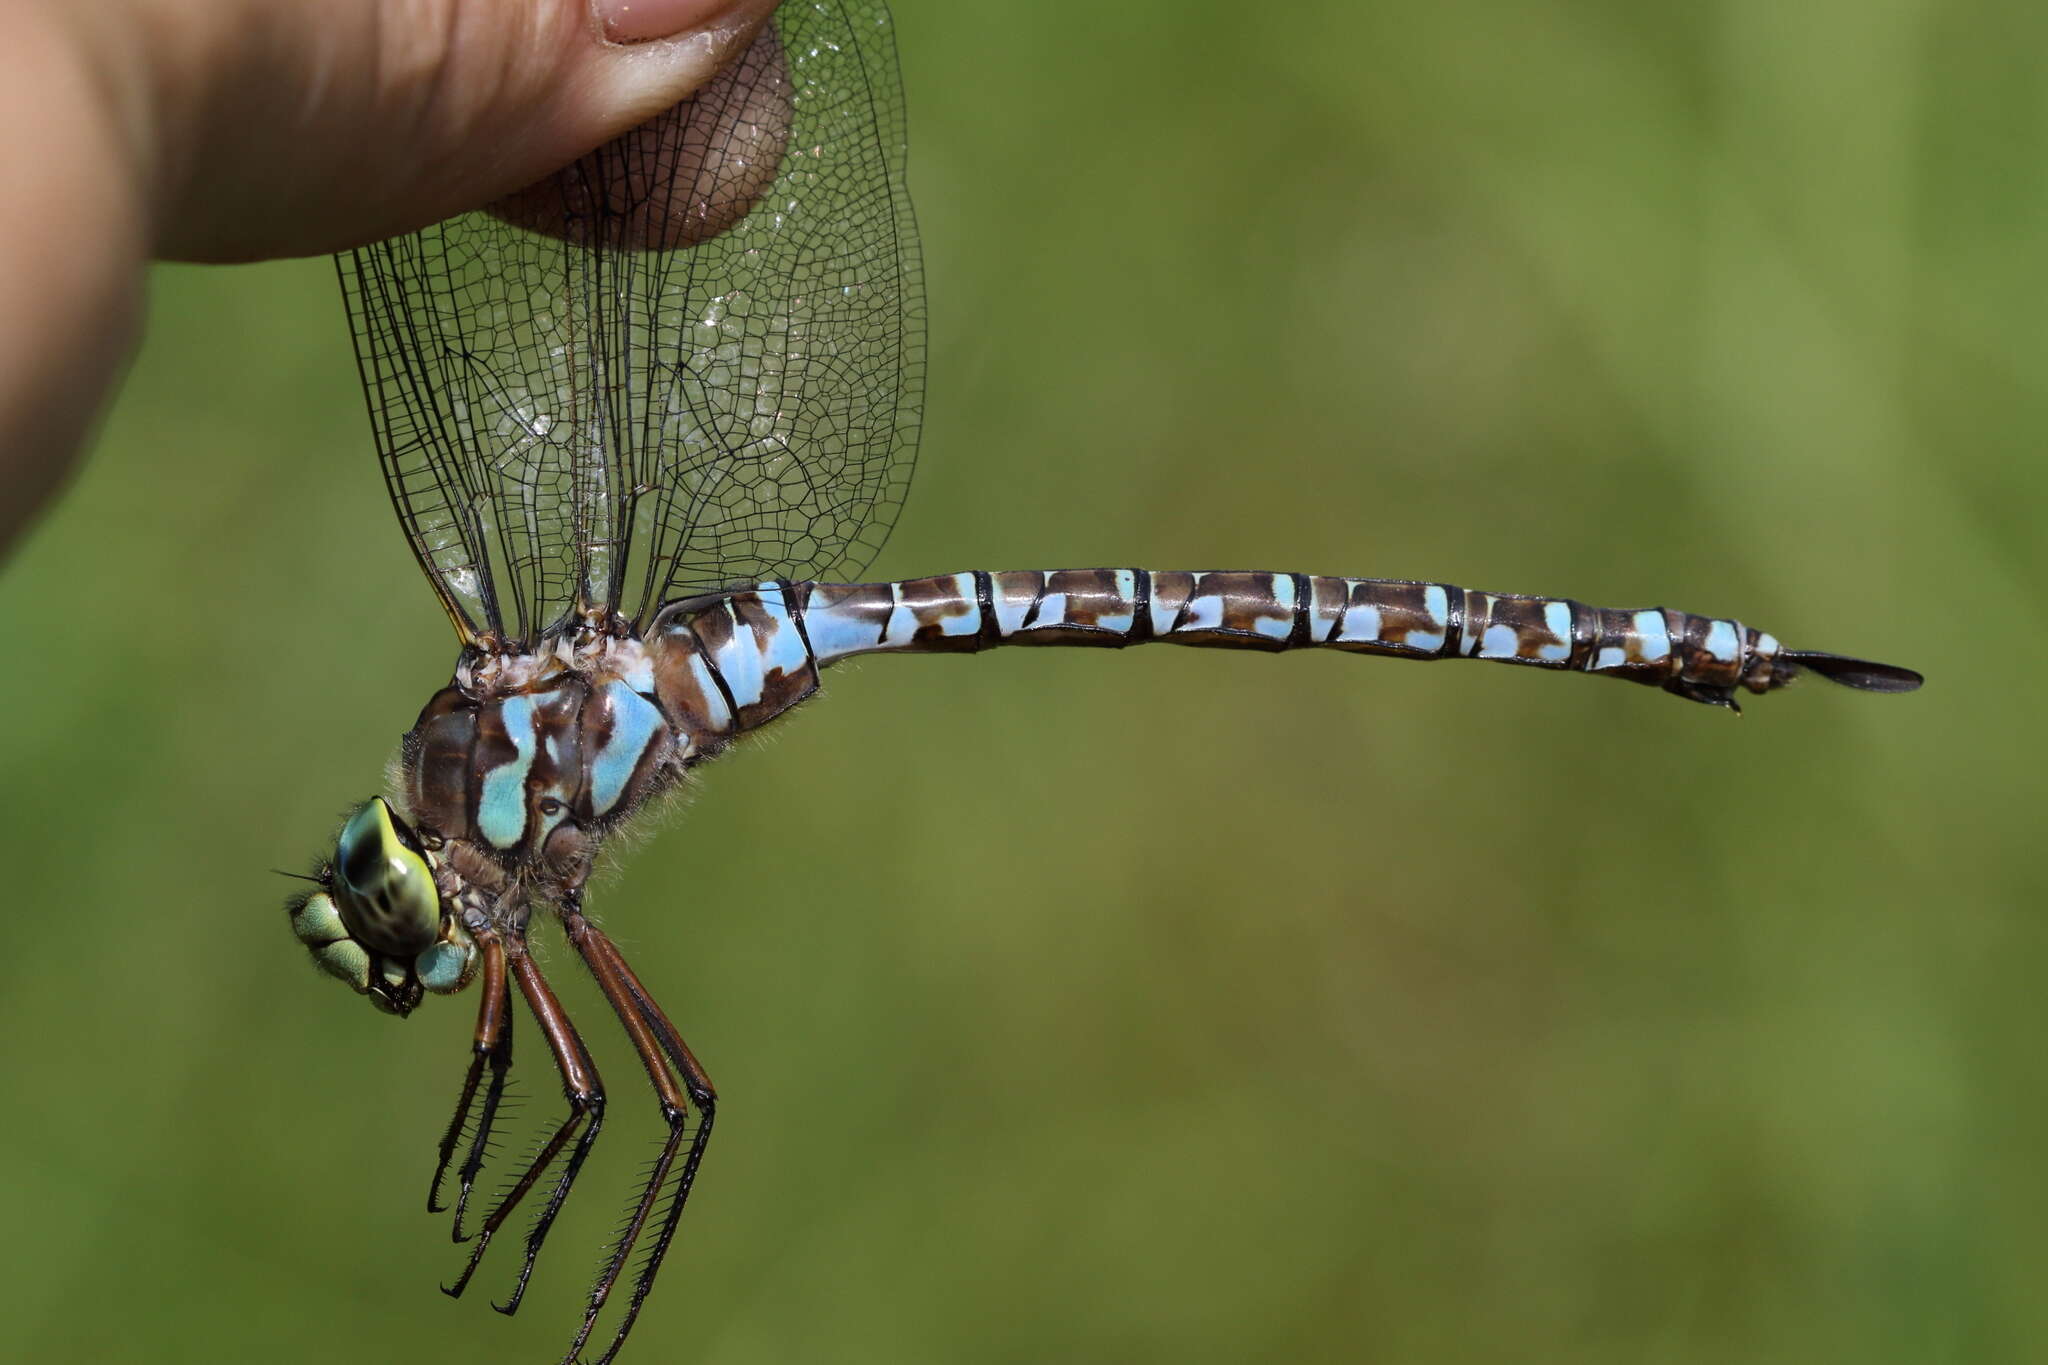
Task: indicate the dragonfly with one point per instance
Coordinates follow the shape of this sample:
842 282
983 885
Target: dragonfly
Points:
644 424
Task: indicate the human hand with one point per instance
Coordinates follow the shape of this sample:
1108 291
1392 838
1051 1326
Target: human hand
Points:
237 130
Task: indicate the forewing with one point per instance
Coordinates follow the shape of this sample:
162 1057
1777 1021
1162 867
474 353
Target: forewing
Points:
693 359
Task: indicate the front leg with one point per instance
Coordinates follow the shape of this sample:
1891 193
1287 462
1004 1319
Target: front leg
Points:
492 1047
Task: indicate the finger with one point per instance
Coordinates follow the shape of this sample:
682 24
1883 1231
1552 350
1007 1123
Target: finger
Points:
70 255
288 129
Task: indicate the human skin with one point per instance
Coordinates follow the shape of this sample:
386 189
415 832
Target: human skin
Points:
242 130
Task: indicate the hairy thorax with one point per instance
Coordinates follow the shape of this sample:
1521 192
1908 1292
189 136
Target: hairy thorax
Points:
526 759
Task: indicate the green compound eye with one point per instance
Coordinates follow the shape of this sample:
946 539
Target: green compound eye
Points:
446 967
383 886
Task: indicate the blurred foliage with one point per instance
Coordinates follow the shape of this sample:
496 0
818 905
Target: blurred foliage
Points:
1173 1006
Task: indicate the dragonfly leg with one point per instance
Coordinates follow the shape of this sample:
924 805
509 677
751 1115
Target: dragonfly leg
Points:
680 1084
585 1094
493 1048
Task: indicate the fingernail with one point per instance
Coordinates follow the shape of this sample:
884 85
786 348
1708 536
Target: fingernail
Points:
640 21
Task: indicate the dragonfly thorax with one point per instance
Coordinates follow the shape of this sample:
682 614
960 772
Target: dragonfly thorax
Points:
529 758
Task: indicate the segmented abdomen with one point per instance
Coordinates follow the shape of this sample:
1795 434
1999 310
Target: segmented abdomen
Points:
729 662
1277 611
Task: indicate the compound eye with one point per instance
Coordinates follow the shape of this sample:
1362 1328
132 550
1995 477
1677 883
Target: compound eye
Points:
447 967
382 884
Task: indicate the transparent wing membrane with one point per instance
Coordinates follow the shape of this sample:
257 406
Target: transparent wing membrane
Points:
693 359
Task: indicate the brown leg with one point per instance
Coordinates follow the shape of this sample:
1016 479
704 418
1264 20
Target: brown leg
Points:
680 1084
585 1093
492 1047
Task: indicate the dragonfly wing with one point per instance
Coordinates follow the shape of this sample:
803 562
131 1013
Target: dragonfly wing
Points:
694 358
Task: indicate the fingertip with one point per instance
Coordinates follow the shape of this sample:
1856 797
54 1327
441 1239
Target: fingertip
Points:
644 21
659 51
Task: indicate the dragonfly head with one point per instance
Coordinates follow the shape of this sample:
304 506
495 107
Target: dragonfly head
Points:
376 918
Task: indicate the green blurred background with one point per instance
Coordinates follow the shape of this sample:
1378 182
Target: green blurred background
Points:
1172 1006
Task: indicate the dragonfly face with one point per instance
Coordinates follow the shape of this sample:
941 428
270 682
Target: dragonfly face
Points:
377 920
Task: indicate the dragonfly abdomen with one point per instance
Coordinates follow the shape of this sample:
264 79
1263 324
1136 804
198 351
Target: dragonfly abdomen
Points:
734 661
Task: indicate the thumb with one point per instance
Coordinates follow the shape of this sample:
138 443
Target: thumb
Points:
276 128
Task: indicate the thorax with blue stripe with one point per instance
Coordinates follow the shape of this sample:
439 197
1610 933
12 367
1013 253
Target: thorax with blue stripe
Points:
532 756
